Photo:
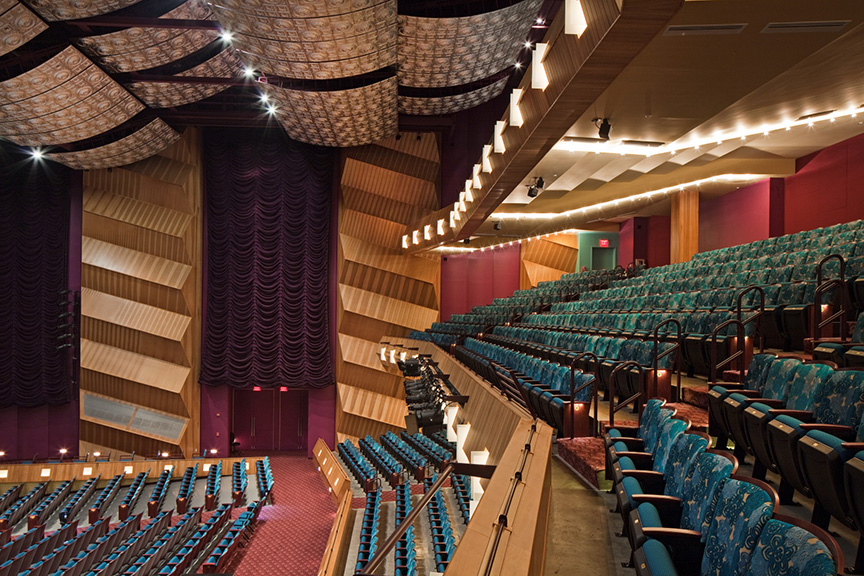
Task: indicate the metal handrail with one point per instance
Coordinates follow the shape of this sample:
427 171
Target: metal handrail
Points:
525 399
758 316
573 391
837 257
840 301
738 354
676 348
382 552
613 407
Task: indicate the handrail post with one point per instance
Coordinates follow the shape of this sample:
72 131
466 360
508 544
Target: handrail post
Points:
677 349
737 355
613 407
760 315
840 301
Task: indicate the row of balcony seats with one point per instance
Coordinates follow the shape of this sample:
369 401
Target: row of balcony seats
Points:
61 555
804 421
157 495
197 542
135 490
79 498
696 517
849 353
51 502
187 484
239 477
386 464
21 507
106 496
462 490
433 451
359 467
167 540
443 541
21 553
240 528
547 384
407 455
9 497
369 530
214 479
264 476
114 558
93 554
405 552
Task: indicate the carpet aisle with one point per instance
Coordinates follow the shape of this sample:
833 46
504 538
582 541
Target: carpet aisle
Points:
292 533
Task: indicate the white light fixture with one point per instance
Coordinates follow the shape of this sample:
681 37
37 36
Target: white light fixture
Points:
127 470
4 474
206 468
475 179
226 36
539 80
383 356
456 211
469 195
404 241
498 139
427 232
415 237
462 206
402 356
451 411
452 220
440 226
88 471
248 72
461 434
45 473
393 356
515 113
486 163
574 18
36 153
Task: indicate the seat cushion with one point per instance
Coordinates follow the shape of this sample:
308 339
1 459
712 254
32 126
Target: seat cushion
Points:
658 559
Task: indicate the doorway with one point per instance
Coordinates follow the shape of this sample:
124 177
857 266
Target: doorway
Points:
270 420
602 258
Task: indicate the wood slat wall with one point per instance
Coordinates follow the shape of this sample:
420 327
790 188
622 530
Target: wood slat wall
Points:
380 290
141 296
685 226
547 259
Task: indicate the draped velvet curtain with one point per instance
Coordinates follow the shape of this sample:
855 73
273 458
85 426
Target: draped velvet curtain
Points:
34 240
267 206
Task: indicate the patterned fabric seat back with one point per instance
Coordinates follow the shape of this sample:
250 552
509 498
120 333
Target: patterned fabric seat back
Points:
841 398
703 479
654 426
780 375
682 457
742 509
805 385
787 550
669 432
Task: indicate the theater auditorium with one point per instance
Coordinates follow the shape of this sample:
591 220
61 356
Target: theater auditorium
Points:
423 287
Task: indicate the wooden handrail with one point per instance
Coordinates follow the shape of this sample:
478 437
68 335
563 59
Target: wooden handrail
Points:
758 317
840 301
738 354
613 407
676 348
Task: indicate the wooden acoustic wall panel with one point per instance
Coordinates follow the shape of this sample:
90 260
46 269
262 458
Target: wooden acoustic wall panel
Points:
343 118
685 225
53 10
380 290
226 64
18 25
149 140
140 300
436 52
331 39
450 104
547 259
66 99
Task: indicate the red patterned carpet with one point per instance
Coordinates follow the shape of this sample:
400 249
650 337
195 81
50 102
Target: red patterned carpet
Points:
586 455
698 416
291 535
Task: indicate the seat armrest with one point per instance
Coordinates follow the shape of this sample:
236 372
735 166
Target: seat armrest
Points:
803 415
676 538
630 441
748 393
853 446
668 507
651 481
642 460
834 429
767 401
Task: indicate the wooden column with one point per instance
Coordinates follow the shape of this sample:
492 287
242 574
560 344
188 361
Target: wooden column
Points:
685 226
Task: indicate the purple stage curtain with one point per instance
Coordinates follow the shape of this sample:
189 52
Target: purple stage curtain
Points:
267 210
34 239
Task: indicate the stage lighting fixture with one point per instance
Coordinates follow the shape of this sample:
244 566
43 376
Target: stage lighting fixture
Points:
533 191
603 127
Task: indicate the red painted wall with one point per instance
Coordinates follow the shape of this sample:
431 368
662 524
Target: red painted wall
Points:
659 240
475 279
828 187
736 218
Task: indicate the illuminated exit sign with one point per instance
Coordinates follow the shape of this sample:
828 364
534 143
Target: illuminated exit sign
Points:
604 243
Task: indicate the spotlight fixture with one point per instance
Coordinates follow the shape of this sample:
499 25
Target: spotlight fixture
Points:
466 241
540 183
398 136
603 127
248 72
226 36
533 191
36 153
419 137
497 225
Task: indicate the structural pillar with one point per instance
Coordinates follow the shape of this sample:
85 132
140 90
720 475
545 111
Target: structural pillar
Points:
685 226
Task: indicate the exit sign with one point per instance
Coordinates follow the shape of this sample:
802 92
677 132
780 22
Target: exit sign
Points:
604 243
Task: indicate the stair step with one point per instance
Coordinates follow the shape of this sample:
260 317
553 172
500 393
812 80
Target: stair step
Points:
134 315
133 263
136 212
134 367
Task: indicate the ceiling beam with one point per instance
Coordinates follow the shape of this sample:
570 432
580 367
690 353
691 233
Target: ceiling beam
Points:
142 22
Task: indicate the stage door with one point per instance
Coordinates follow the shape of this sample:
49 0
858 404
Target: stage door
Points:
270 419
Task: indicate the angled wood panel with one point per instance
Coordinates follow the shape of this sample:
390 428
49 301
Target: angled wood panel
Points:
546 259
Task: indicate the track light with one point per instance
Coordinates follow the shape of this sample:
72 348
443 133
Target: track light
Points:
533 191
540 182
603 127
497 225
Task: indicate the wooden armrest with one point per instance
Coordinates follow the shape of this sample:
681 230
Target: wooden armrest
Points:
803 415
639 458
668 507
675 537
834 429
651 481
854 446
767 401
748 393
630 441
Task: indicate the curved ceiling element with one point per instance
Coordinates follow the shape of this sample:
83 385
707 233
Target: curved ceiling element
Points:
449 104
66 99
226 64
149 140
435 52
340 118
331 39
142 48
18 25
54 10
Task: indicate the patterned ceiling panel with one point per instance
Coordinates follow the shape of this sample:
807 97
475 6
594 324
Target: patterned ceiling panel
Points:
340 118
450 104
17 25
142 48
66 99
53 10
226 64
314 47
149 140
437 52
300 9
